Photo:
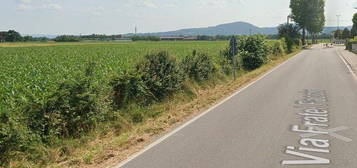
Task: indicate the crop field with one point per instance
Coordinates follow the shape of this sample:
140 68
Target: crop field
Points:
51 92
34 71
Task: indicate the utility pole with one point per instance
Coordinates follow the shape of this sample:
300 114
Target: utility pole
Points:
338 21
338 26
288 19
233 52
136 30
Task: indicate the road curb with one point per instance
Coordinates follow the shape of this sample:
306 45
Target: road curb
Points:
351 63
348 62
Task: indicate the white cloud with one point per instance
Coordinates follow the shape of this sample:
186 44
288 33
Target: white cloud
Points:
220 3
96 11
39 7
170 5
26 1
140 3
24 7
146 3
52 7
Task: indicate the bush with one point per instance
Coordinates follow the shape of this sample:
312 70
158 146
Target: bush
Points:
277 47
66 38
350 42
227 61
15 138
198 66
69 111
254 51
129 88
161 74
291 34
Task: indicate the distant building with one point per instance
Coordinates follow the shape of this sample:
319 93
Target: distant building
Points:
172 38
190 38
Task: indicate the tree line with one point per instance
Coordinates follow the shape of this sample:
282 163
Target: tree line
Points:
346 33
309 17
14 36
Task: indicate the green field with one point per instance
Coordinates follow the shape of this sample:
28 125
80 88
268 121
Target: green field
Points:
35 71
50 92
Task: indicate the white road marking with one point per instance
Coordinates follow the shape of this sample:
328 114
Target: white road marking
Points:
331 132
290 147
316 98
202 114
312 160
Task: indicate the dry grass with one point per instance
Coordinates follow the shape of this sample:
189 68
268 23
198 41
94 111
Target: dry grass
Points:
108 149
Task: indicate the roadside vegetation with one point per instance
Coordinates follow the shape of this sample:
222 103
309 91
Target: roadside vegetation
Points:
352 36
51 96
309 15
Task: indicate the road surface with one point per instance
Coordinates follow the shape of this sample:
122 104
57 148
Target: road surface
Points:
301 115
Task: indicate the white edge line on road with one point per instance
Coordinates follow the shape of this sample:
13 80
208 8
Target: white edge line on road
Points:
347 64
200 115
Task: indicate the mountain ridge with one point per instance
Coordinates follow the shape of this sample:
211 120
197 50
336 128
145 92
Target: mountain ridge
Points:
234 28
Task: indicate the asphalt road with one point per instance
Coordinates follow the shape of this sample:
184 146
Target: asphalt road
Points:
254 128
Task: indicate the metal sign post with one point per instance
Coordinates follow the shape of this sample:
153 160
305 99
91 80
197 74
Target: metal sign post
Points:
233 51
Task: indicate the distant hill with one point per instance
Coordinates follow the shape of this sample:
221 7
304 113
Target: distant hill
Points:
236 28
329 30
41 35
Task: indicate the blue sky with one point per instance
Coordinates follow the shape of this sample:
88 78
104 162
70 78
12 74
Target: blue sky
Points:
121 16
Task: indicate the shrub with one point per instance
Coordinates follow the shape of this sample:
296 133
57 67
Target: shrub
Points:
137 117
253 50
277 47
227 61
198 66
66 38
291 34
251 61
69 111
350 42
15 138
161 74
284 45
129 88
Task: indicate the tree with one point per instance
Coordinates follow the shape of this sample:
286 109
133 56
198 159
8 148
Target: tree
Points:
66 38
253 51
337 34
317 18
354 28
299 15
13 36
291 33
28 38
346 34
3 36
309 15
